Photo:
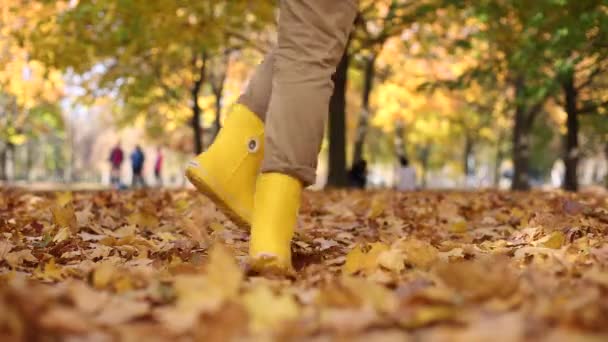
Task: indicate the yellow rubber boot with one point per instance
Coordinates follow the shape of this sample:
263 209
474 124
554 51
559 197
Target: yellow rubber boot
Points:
276 205
227 171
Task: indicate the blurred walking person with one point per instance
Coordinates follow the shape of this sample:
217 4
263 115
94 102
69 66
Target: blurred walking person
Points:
358 174
158 166
137 165
406 175
116 159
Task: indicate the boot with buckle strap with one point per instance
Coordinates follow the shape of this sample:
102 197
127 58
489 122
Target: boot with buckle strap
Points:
227 171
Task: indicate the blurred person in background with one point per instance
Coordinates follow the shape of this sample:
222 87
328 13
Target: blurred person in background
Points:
158 166
116 159
137 165
406 175
358 174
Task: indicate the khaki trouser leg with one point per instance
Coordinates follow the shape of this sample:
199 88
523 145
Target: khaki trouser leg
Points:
257 92
312 38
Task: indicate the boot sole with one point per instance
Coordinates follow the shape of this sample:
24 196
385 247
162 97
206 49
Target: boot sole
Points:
203 187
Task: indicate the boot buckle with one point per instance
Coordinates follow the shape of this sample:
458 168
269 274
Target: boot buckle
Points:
253 145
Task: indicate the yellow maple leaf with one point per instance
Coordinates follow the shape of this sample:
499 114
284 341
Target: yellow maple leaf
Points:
182 205
103 274
419 253
555 240
377 207
194 294
63 198
166 236
64 217
371 293
143 220
62 234
393 260
123 284
216 226
50 271
458 227
428 315
267 310
359 260
353 260
223 272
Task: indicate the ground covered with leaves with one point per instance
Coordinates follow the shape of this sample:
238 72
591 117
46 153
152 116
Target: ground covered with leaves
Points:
441 266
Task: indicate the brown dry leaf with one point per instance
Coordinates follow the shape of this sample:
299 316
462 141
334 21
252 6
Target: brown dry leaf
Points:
83 217
5 248
448 211
121 310
195 294
123 232
348 321
65 320
454 254
195 232
480 279
15 259
598 276
86 299
99 252
601 253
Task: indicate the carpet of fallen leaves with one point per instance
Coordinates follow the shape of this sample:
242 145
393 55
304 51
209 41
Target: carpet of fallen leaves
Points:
442 266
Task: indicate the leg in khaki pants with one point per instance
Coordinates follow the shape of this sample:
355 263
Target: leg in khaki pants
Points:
290 89
289 96
312 38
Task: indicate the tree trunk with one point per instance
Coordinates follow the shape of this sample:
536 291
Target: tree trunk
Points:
571 152
337 176
196 109
521 151
468 151
521 142
11 172
606 156
217 81
29 161
498 161
425 154
218 115
368 82
3 173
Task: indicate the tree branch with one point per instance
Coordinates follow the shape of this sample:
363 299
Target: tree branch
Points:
591 107
247 41
590 79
